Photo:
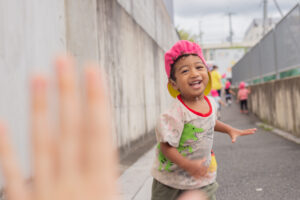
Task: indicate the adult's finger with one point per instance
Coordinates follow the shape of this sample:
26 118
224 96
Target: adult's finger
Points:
100 152
14 182
69 115
42 138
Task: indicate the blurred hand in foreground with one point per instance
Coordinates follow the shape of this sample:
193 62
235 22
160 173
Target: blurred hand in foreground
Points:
74 159
192 195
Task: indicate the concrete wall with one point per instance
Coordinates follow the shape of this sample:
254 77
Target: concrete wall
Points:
277 103
128 38
32 32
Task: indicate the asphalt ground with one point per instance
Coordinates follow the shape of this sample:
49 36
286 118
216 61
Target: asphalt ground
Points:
261 166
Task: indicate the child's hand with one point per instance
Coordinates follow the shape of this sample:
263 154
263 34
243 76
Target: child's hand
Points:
75 161
197 168
234 133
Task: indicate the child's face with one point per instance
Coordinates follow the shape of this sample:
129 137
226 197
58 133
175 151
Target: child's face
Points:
191 76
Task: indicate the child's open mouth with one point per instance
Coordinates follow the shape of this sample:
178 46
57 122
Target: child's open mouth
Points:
196 84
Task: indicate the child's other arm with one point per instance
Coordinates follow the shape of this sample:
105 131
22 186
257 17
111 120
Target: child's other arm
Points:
232 92
222 103
231 131
195 168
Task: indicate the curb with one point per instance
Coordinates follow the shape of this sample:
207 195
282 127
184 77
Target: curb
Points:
279 132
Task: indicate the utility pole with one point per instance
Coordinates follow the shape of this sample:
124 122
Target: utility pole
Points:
230 37
265 16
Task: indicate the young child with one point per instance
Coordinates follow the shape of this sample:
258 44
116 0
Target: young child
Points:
184 159
218 102
216 79
242 97
228 92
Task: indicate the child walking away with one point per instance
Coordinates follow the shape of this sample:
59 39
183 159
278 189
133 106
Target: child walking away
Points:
218 101
243 97
184 159
228 92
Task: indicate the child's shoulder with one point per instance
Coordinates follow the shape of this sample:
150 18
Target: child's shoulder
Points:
174 109
212 100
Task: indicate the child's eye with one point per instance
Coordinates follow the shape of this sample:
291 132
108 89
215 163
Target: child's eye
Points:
184 71
199 67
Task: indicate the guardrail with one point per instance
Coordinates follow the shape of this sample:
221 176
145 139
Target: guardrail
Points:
275 56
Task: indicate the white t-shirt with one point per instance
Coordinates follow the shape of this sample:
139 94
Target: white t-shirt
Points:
192 134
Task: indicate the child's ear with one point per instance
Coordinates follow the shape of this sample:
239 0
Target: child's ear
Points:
173 83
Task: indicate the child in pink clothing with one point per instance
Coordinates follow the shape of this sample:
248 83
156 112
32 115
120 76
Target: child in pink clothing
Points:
243 97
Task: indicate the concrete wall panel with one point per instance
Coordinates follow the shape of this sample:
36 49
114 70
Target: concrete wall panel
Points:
277 103
32 33
134 62
81 29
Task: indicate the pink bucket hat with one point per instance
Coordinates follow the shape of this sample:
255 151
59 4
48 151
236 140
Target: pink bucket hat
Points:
242 85
183 47
227 85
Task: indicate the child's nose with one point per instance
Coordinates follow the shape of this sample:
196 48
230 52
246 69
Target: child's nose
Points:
194 73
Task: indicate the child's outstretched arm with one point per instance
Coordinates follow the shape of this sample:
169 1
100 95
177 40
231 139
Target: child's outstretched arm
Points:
232 132
195 168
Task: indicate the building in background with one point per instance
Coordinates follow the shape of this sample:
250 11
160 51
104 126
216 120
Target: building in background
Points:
255 30
225 55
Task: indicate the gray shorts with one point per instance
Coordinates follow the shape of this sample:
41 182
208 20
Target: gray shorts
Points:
164 192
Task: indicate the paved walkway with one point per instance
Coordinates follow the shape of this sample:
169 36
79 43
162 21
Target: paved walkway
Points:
262 166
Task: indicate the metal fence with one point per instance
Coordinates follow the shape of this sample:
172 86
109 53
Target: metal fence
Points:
275 56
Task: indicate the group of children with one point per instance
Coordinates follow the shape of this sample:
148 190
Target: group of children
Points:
184 158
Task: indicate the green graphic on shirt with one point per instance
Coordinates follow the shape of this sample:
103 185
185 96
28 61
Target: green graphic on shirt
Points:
188 133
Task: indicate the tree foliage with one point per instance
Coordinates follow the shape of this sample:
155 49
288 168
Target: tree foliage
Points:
186 35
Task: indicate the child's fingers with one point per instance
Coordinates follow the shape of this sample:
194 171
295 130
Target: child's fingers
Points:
233 139
242 133
249 131
42 139
202 168
14 182
69 115
100 152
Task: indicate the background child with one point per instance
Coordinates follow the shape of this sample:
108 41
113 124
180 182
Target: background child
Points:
228 92
218 101
242 97
216 79
184 159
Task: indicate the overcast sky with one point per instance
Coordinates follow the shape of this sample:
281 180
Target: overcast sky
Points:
213 18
